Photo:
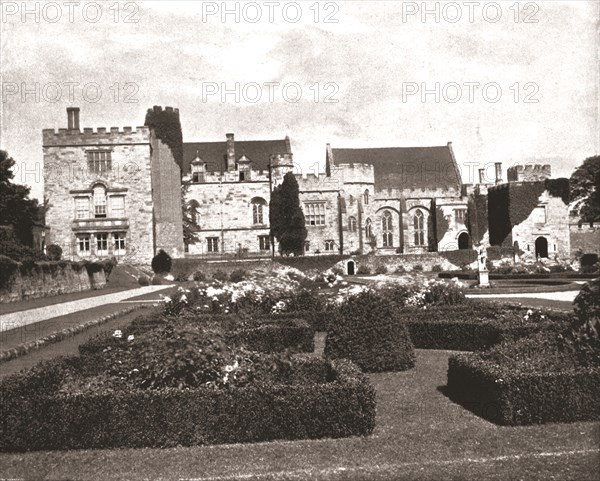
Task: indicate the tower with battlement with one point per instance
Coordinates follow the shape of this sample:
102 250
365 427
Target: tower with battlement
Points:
102 200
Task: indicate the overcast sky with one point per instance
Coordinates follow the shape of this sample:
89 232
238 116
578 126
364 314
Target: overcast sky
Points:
514 85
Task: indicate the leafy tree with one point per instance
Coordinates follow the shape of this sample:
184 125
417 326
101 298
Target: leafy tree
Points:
16 208
286 216
585 190
190 229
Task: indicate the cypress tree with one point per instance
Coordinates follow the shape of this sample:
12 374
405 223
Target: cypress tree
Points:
286 217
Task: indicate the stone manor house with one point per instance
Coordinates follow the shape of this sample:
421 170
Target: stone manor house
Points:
118 193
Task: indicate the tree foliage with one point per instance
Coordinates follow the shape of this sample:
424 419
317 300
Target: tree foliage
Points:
585 190
190 228
286 216
16 208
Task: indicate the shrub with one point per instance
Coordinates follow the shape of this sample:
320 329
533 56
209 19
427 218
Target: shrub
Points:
18 252
238 275
199 276
220 275
587 303
400 270
381 269
157 281
436 268
418 268
528 381
161 263
54 252
589 263
320 399
363 270
7 268
144 280
108 265
368 332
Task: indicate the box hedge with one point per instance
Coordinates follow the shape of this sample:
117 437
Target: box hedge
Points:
474 327
529 381
368 331
336 400
293 334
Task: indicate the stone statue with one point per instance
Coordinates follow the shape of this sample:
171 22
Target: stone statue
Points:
482 257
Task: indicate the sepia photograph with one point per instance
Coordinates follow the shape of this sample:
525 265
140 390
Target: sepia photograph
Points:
299 240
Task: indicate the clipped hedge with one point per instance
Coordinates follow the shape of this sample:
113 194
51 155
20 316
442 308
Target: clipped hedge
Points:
294 334
474 327
506 395
36 416
368 331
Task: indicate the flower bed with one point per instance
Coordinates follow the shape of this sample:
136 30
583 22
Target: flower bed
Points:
58 406
529 381
476 326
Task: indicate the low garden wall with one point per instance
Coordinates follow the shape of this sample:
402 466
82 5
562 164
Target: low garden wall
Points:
31 280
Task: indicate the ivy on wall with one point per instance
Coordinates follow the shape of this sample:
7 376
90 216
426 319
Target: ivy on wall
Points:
559 188
512 204
167 127
478 217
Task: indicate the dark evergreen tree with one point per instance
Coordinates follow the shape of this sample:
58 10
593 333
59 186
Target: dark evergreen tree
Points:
585 190
16 208
286 217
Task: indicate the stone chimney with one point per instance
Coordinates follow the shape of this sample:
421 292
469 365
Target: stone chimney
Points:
73 118
482 176
230 152
498 166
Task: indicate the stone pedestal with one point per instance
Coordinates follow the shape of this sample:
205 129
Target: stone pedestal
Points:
484 278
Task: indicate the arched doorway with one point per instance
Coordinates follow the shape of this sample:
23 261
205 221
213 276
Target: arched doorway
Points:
350 267
463 241
541 247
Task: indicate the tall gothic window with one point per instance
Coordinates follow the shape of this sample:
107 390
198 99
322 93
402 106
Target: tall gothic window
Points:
366 197
419 228
388 229
352 224
257 210
368 230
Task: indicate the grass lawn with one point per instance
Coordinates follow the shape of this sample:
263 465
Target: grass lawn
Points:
420 435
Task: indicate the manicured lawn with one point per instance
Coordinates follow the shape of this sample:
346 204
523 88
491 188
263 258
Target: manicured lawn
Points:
420 435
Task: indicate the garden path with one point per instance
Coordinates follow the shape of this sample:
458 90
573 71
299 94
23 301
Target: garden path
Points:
567 296
23 318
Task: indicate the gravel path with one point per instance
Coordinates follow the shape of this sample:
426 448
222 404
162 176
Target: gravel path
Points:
24 318
568 296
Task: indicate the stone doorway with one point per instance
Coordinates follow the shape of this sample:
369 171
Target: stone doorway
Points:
350 268
463 241
541 247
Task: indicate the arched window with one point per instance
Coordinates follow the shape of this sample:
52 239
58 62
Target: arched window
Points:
99 196
419 227
258 204
388 229
352 224
369 230
366 197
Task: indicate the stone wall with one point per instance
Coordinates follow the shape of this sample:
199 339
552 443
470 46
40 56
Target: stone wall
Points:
407 261
67 177
584 240
549 220
50 279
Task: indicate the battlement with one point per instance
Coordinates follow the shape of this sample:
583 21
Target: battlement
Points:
529 173
419 193
229 176
157 109
101 135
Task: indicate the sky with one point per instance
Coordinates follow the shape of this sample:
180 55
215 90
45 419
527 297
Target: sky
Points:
511 82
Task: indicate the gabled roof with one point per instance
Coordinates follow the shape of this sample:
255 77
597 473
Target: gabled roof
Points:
215 153
405 167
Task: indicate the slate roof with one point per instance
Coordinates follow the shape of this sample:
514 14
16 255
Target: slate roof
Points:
406 167
215 153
